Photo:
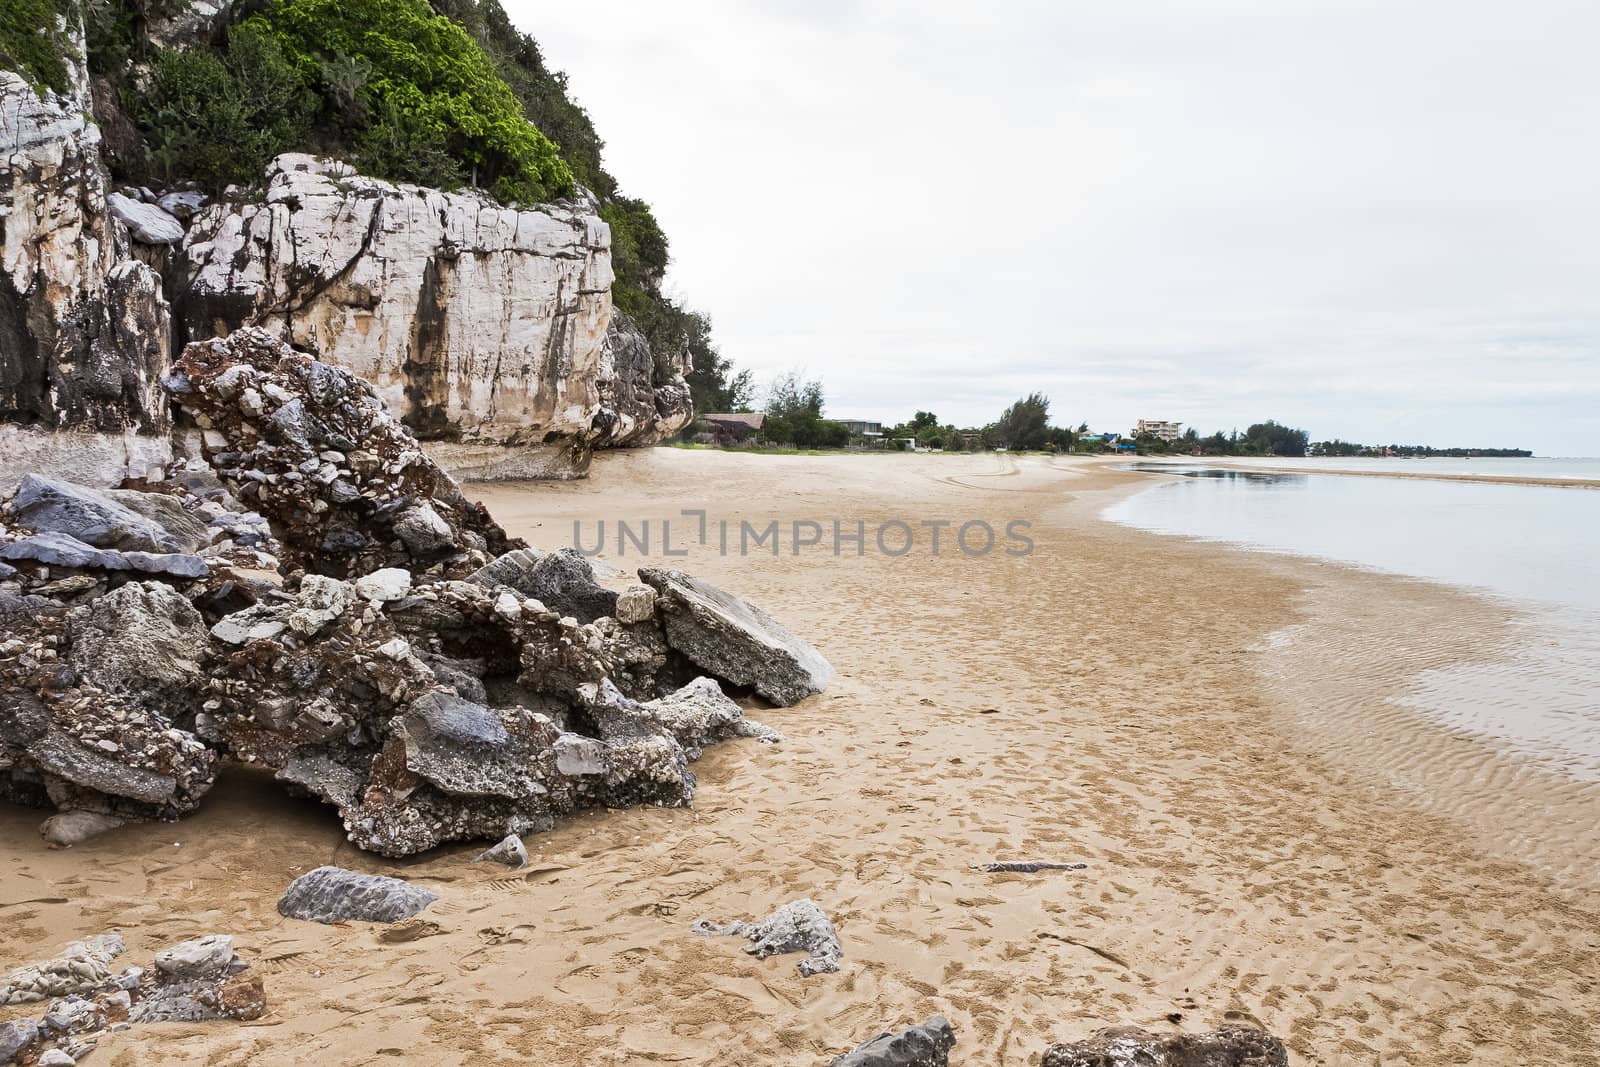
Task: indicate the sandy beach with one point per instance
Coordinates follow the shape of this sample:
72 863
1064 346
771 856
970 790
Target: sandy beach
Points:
1270 838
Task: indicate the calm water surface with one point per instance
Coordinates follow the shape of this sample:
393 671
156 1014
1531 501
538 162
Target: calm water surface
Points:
1532 545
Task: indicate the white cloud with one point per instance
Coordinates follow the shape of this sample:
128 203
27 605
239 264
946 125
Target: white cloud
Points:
1374 219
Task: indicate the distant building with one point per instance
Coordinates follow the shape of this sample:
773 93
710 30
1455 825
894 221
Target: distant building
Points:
1166 431
864 433
732 427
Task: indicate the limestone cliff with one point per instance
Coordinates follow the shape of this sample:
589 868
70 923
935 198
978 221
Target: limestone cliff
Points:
488 329
84 329
482 326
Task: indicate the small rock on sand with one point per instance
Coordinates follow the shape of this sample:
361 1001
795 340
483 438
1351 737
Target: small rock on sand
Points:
511 852
75 827
333 894
927 1045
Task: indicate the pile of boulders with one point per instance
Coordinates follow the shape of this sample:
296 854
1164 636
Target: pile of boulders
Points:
195 981
401 659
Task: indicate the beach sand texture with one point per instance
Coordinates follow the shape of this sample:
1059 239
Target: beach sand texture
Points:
1268 839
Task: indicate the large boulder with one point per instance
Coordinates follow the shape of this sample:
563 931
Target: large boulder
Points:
121 519
927 1045
1131 1046
343 482
143 641
733 639
99 729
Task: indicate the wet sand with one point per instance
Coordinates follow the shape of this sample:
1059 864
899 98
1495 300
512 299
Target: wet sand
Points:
1270 838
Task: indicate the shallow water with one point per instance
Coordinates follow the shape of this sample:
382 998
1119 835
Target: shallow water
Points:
1532 468
1530 545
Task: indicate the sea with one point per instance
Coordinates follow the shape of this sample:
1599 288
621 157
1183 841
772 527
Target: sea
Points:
1535 546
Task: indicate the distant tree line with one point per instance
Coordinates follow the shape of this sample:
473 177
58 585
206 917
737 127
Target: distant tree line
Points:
1337 447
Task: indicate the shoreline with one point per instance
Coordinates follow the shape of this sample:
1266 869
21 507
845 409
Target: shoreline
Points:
1099 701
1231 463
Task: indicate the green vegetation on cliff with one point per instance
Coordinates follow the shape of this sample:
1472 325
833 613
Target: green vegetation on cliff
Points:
445 94
32 42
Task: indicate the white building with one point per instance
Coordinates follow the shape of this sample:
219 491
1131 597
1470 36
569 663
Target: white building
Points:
1167 431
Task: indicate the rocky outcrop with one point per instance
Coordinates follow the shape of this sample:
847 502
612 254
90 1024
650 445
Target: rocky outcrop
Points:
425 708
799 926
733 639
643 395
482 326
313 448
84 328
927 1045
1131 1046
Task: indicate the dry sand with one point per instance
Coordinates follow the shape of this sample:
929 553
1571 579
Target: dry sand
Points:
1270 838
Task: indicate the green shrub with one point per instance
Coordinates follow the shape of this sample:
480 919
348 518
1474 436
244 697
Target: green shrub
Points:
31 44
427 87
220 118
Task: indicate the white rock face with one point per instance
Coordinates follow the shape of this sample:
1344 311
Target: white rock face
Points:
84 329
480 324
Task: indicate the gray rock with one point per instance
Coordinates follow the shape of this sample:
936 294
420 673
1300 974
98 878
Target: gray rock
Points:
514 569
385 585
701 714
320 601
511 852
423 531
16 1036
333 894
119 519
799 926
54 1057
60 550
147 222
1131 1046
182 205
728 637
577 755
143 640
927 1045
643 397
257 623
203 957
70 828
564 582
636 604
197 981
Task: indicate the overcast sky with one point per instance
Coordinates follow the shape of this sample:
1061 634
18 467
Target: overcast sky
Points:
1376 220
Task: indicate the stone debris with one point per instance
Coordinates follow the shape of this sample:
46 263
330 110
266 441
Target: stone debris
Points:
926 1045
733 639
1027 866
335 895
81 967
345 486
511 852
799 926
194 981
1131 1046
